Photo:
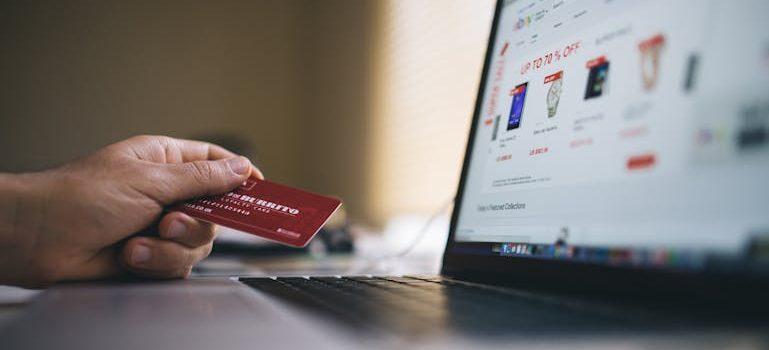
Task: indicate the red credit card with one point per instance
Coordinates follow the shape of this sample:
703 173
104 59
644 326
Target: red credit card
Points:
280 213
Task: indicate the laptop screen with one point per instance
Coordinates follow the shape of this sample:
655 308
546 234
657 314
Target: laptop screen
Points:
628 133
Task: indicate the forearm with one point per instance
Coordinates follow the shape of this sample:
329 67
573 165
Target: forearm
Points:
19 218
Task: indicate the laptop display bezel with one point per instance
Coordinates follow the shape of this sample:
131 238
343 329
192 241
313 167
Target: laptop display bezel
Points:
569 275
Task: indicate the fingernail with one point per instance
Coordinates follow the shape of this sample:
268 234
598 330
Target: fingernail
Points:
240 165
176 229
140 254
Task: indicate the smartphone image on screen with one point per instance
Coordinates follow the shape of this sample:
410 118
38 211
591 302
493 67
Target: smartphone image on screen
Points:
516 110
596 80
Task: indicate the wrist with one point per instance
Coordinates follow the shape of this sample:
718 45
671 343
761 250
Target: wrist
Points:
21 211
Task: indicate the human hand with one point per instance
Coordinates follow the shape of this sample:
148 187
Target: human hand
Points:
76 222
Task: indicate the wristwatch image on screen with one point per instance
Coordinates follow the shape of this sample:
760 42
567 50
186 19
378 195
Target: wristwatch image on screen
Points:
651 50
554 95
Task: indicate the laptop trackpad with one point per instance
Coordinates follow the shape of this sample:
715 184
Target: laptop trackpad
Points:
199 313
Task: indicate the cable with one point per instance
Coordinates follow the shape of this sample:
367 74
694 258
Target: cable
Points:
420 234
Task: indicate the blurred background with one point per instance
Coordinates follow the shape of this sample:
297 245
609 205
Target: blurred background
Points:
369 101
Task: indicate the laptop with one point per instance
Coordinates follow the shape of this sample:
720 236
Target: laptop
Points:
614 189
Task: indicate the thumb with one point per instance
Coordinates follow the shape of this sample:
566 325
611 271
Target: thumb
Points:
182 181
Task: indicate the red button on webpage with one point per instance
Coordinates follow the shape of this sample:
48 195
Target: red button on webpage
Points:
641 161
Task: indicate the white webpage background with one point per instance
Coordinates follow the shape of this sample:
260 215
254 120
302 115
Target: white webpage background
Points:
695 197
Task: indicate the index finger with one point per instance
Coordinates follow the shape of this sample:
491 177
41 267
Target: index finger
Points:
192 150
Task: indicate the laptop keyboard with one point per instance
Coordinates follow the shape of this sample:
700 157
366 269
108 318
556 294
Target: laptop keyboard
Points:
415 304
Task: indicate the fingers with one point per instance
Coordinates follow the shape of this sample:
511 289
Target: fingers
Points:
164 149
168 150
255 172
159 258
185 151
179 169
184 242
101 265
172 183
183 229
191 150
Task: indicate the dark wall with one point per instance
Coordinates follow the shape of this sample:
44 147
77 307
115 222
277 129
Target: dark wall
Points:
290 76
